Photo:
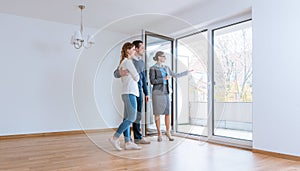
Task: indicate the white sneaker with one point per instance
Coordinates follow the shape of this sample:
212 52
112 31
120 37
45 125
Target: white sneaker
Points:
115 143
132 146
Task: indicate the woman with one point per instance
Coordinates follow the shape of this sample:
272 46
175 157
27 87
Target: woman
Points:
130 92
159 76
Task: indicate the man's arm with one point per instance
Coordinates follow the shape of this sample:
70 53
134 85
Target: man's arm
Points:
145 86
118 73
144 80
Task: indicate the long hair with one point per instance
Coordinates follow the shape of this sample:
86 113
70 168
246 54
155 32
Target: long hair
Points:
124 53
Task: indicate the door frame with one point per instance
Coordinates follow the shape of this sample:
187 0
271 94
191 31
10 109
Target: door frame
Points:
217 138
211 137
176 93
146 33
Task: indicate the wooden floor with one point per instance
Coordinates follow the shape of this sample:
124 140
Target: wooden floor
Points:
94 152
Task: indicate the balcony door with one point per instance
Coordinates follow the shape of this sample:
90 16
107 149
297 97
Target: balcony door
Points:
192 91
232 75
215 100
153 43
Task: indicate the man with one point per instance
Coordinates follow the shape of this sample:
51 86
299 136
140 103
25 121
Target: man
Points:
142 84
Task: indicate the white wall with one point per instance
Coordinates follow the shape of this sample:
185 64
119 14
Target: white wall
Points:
36 75
276 104
37 65
96 91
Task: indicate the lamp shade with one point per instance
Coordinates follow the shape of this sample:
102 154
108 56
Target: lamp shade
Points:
90 39
78 36
77 39
73 39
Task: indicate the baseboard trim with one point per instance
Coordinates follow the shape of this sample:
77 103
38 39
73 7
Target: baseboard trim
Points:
73 132
278 155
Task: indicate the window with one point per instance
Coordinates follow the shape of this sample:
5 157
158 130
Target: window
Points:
232 75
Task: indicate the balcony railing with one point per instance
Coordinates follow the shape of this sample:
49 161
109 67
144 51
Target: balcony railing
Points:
227 115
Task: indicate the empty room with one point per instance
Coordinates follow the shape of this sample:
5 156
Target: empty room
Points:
206 85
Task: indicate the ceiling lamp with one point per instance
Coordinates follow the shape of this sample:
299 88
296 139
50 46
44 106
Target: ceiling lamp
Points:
78 39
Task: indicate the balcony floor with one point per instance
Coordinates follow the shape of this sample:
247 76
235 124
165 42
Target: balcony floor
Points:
201 130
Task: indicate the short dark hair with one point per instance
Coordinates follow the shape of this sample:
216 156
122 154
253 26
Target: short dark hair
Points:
137 43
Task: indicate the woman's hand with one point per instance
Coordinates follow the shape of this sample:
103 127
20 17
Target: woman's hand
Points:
167 77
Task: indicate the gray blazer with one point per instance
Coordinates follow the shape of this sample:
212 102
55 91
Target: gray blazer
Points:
156 78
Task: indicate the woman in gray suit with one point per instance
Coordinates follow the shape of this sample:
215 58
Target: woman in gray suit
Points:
159 78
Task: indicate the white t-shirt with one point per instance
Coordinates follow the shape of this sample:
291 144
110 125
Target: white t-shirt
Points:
130 85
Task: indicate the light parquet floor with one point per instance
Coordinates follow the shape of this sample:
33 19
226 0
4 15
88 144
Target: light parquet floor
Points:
92 151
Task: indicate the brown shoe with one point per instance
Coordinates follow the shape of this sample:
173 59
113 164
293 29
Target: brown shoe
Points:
142 141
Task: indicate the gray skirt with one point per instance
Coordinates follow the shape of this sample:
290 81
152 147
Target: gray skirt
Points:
161 103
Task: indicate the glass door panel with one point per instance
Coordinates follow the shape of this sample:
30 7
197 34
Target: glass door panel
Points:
192 98
232 75
153 43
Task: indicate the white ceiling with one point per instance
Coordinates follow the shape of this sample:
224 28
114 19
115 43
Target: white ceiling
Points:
98 13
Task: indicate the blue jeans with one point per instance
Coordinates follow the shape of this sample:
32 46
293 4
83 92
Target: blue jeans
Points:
136 126
130 110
